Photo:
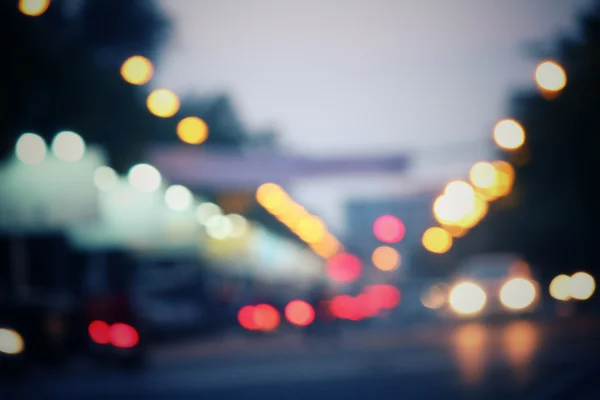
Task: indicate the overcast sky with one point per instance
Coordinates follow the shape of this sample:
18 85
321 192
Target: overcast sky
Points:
362 76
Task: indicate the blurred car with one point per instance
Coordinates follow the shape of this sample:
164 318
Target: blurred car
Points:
492 285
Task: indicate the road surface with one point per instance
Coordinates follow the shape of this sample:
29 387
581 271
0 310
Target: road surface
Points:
520 359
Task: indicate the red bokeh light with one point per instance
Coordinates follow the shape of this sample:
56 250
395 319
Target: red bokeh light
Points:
246 318
346 307
123 335
299 312
384 296
368 305
98 331
266 317
389 229
344 267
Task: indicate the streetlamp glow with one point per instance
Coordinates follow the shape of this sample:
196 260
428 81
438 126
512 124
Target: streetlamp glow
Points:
144 178
68 146
30 149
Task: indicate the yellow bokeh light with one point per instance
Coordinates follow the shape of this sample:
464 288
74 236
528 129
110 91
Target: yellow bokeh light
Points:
505 178
559 288
311 229
386 258
11 342
483 175
550 76
509 134
476 214
457 202
517 294
327 247
137 70
467 298
271 196
192 130
33 8
455 231
163 103
581 286
437 240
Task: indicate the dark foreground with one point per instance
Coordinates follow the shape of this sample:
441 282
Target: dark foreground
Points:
517 360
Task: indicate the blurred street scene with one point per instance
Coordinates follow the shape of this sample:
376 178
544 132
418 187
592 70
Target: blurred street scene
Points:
204 199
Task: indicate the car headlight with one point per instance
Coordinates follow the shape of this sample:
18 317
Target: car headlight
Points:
518 294
11 342
467 298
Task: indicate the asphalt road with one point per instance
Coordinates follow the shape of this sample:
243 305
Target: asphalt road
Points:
520 359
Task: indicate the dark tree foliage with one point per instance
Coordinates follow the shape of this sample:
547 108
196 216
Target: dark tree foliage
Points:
552 216
62 71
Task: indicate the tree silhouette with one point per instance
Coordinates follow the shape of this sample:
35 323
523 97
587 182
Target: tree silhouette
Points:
551 217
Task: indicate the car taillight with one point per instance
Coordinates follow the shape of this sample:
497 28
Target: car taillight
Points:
99 332
123 335
119 335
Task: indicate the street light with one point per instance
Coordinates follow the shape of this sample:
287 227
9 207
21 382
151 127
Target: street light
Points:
192 130
137 70
550 77
30 148
509 134
68 146
163 103
33 8
144 178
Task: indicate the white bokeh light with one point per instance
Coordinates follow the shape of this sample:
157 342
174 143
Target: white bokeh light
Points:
239 225
207 210
144 178
105 178
218 227
68 146
31 149
178 198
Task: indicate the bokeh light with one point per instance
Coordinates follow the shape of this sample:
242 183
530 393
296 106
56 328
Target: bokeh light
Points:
299 313
178 198
192 130
123 336
581 286
99 332
218 227
11 342
137 70
344 268
505 178
271 196
246 318
327 247
163 103
518 294
311 229
509 134
266 317
559 288
105 178
68 146
31 149
389 229
483 175
144 178
33 8
384 296
238 224
386 258
205 211
550 76
437 240
435 297
467 298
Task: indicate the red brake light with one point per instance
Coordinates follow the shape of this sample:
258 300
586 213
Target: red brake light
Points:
99 332
123 335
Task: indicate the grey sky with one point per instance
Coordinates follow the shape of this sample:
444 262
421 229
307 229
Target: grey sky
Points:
362 76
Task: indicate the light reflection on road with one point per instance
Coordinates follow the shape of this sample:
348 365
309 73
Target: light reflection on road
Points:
473 343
